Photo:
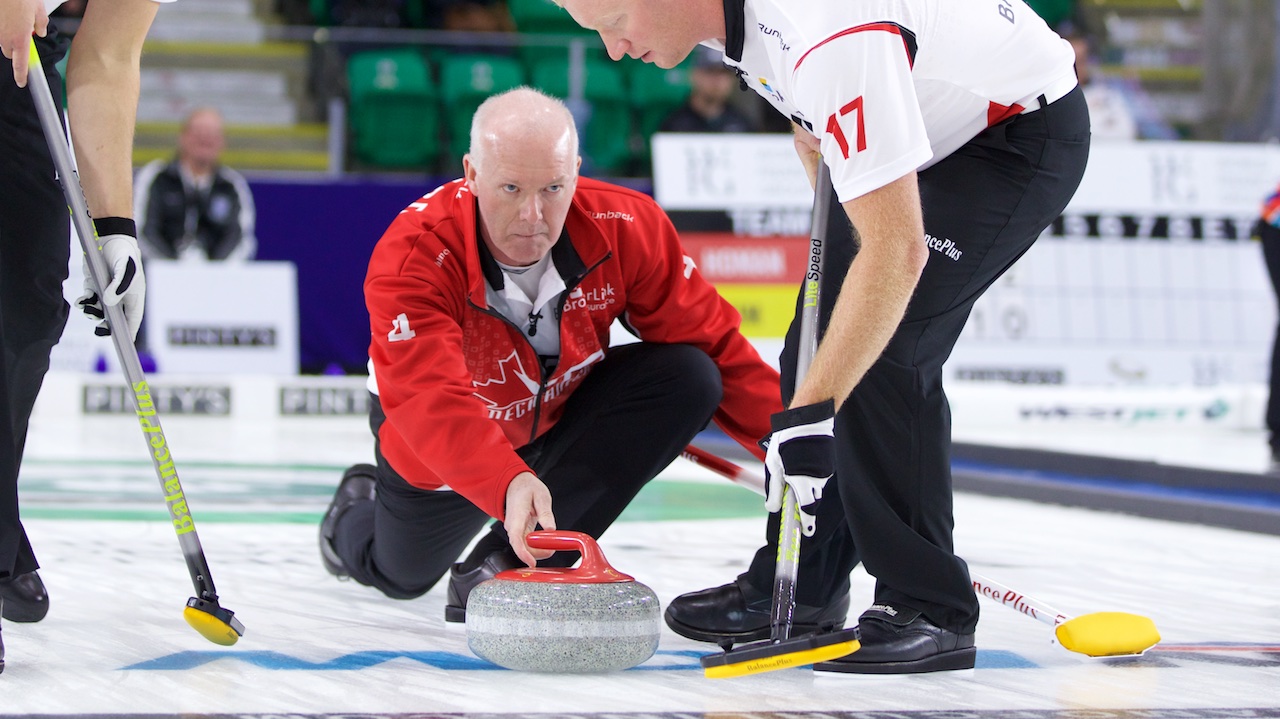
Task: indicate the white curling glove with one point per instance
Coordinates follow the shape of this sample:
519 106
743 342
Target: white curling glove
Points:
801 455
127 287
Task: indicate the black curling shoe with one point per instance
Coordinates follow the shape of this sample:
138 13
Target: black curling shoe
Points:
25 598
736 613
902 641
357 485
462 582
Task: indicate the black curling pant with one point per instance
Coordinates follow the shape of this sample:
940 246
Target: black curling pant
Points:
1270 235
629 419
984 206
34 251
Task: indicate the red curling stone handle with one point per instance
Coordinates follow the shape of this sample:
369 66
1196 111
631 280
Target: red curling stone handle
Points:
594 568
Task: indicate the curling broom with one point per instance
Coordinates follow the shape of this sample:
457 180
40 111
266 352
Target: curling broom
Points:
202 612
781 650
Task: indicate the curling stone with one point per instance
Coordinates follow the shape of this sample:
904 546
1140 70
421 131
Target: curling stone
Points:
573 621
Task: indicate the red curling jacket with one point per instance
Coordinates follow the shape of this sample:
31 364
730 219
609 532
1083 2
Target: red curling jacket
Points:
461 386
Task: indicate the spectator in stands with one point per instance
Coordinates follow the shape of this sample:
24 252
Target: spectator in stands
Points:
1109 112
193 206
1268 230
708 107
102 80
1119 107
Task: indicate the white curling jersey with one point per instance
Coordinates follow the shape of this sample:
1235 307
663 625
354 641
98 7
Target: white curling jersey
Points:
891 86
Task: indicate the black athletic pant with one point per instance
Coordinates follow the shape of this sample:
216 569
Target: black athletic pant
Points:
1270 235
34 250
890 503
628 420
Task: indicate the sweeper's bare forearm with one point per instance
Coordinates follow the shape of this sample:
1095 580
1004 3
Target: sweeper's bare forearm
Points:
102 100
875 292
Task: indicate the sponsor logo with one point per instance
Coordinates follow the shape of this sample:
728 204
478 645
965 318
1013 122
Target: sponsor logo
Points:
1012 375
184 399
324 401
1127 414
771 32
745 263
944 246
1154 227
594 300
884 608
611 215
179 514
214 336
1014 600
1005 8
813 274
762 223
400 330
777 96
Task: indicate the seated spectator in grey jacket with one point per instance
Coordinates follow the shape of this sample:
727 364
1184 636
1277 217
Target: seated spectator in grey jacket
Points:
193 206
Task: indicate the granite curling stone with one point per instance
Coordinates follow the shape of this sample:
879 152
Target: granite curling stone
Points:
574 621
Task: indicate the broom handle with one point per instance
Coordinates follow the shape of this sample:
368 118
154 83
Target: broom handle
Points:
787 566
144 406
1030 606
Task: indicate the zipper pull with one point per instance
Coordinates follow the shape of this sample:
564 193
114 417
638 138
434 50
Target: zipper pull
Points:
533 322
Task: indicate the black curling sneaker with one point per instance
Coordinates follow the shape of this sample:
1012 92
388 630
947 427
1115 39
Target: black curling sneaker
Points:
25 598
358 485
736 613
898 640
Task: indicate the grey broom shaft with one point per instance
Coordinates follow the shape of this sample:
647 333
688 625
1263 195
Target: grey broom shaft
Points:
153 435
788 561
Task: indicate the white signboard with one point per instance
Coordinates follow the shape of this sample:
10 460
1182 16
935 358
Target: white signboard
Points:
710 171
1178 178
1151 281
222 317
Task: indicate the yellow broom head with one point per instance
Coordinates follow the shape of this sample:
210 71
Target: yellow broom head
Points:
1108 634
210 627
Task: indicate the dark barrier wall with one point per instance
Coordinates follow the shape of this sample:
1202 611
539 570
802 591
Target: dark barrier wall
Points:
328 228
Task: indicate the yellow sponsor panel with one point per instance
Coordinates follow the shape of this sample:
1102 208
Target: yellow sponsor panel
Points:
766 309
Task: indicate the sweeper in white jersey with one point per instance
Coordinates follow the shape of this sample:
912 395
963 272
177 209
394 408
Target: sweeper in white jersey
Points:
954 133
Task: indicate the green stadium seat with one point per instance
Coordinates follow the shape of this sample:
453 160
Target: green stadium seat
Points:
465 82
606 138
320 12
553 28
393 115
542 16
